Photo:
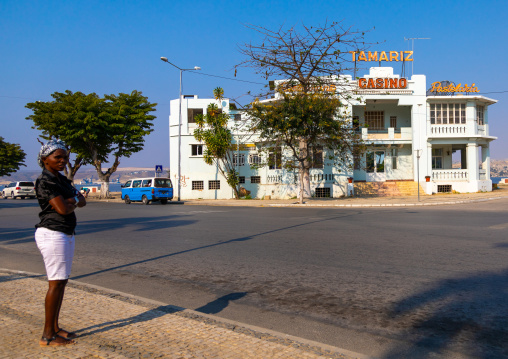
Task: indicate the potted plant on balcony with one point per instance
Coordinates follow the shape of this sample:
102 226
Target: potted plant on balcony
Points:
427 178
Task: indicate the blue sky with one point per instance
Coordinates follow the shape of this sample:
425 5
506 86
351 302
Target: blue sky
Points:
115 46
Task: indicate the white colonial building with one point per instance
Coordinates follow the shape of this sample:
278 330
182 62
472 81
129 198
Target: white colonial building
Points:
437 138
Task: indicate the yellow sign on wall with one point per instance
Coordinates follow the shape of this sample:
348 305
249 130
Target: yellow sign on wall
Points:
382 55
438 87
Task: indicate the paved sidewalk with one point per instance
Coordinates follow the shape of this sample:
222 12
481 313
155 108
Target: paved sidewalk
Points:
116 325
400 201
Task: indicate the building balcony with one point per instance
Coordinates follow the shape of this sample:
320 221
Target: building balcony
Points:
458 130
450 175
387 134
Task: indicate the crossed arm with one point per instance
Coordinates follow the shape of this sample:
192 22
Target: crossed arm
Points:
67 206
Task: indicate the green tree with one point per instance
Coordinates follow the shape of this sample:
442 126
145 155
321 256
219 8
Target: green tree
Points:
312 127
12 157
75 118
306 112
213 131
96 129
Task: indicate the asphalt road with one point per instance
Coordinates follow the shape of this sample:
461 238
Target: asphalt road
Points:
418 282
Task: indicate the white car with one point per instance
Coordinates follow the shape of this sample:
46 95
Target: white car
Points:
19 189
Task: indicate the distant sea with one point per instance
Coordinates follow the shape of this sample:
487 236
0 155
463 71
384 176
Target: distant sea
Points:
113 187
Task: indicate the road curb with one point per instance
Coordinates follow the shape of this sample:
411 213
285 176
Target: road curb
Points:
297 205
194 315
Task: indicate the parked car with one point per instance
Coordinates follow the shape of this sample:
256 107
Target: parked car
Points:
148 190
20 189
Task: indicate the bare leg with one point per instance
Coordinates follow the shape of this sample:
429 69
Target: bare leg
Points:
53 303
61 332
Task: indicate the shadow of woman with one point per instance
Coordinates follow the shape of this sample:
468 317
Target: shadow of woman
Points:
211 308
119 323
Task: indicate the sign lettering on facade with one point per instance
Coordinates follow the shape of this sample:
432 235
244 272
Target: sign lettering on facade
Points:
382 83
320 88
382 55
438 87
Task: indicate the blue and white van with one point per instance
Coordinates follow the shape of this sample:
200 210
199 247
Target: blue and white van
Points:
146 190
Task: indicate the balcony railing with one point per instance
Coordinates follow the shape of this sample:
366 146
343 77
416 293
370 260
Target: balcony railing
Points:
458 130
389 133
448 130
449 175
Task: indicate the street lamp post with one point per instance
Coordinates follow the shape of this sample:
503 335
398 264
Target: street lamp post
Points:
418 171
165 59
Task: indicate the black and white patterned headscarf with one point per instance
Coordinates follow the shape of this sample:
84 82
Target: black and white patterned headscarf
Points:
50 147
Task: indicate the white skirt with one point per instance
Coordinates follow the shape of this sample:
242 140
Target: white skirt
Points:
57 250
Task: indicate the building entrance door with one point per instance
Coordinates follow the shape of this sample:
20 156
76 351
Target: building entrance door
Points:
376 166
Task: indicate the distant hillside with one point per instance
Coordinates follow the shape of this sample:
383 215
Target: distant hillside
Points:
498 168
122 174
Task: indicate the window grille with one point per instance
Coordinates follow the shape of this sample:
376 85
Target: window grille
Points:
447 113
480 110
254 159
197 150
255 179
437 158
393 121
238 159
198 185
323 192
375 120
241 179
317 157
191 114
213 184
444 188
275 159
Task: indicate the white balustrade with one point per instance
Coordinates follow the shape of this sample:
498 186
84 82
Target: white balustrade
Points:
448 130
449 175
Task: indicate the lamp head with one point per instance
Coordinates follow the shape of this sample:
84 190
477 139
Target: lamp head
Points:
165 59
197 68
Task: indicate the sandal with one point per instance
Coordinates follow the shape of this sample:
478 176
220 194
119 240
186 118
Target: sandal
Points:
45 342
68 336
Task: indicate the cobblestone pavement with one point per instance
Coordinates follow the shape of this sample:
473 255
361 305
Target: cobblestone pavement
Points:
399 201
115 325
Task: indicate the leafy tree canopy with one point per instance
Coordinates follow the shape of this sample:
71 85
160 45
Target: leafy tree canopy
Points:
306 112
12 157
95 129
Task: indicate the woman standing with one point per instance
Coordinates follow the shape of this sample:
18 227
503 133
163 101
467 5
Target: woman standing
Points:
55 234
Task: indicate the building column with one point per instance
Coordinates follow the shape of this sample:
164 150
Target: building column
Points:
428 162
472 162
486 160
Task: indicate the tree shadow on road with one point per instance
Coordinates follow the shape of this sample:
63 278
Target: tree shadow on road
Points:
219 304
148 223
9 204
160 222
468 314
17 235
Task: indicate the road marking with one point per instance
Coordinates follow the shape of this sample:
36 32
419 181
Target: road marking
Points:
499 226
197 212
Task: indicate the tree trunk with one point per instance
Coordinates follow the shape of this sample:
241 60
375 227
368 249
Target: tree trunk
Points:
304 171
236 191
104 179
